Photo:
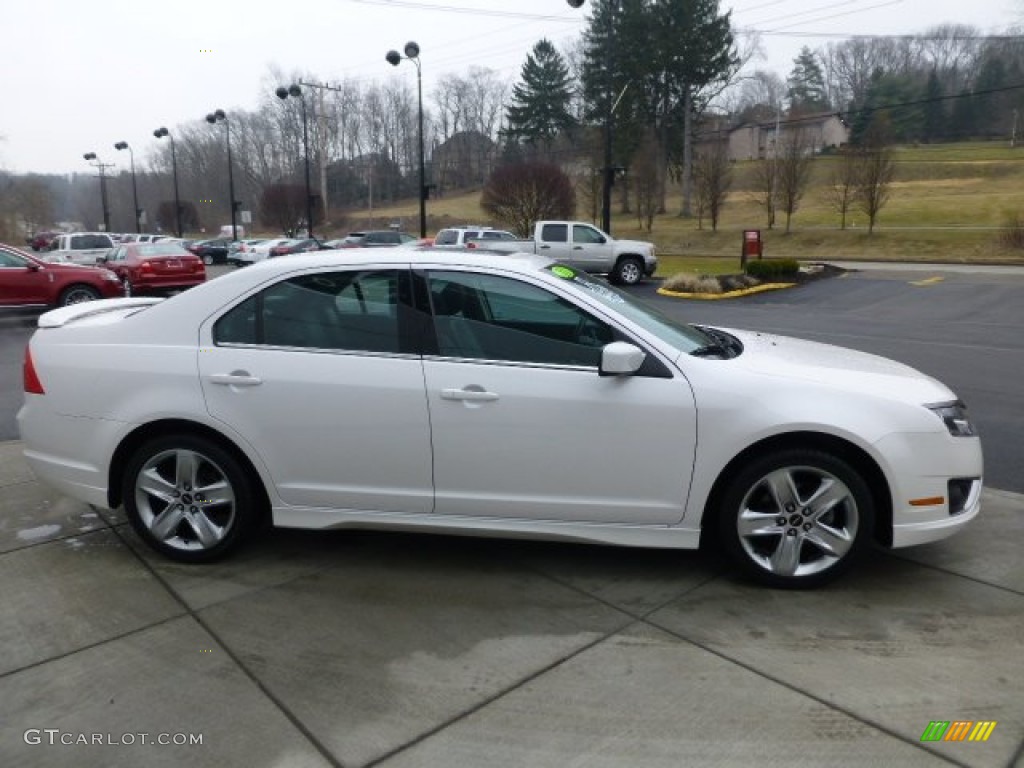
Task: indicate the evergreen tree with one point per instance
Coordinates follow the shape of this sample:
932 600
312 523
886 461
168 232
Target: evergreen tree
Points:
539 111
806 84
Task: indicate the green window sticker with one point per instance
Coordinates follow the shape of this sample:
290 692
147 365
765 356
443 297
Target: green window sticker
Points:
563 272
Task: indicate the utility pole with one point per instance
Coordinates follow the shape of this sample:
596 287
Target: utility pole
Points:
321 140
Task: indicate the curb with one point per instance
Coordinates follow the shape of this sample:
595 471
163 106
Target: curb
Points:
727 294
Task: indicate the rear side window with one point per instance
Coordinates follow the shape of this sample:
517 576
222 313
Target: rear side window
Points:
362 311
446 237
555 233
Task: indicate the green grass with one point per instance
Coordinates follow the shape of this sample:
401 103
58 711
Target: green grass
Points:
947 204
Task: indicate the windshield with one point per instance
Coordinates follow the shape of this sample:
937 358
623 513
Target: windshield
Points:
685 338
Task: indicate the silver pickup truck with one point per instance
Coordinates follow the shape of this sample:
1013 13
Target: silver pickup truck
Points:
584 246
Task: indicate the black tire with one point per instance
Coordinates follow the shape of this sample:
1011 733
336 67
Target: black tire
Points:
163 491
76 294
806 531
628 271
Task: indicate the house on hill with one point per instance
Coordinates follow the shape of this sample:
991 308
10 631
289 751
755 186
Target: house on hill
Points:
754 141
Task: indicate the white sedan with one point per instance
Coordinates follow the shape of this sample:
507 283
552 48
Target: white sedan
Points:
453 392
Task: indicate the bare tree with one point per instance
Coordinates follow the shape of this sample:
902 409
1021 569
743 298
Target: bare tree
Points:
875 169
712 176
645 177
518 195
32 200
794 161
764 181
842 185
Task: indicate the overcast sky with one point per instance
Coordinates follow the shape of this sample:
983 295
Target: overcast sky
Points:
79 76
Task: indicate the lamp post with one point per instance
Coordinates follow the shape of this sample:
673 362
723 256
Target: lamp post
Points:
219 116
160 133
283 93
394 58
608 172
135 190
95 161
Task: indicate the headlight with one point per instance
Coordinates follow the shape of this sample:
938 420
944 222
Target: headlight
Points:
108 275
954 416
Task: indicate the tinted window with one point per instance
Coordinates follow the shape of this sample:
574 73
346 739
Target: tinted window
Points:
11 260
161 249
554 233
584 234
497 318
335 310
446 237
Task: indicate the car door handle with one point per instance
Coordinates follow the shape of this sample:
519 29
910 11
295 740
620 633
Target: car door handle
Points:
236 379
577 247
476 395
545 247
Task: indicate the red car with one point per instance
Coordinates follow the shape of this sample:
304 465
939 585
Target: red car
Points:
26 281
149 267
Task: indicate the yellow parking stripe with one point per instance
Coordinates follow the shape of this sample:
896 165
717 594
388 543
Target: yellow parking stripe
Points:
928 281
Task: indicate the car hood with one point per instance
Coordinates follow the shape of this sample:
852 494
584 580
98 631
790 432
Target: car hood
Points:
784 357
635 245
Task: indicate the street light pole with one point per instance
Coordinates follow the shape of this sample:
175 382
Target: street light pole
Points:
394 58
283 93
608 172
135 190
91 156
160 133
213 118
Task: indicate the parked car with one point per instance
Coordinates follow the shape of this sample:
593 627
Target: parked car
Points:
259 251
376 239
296 246
41 240
584 246
487 396
466 237
28 281
149 267
211 251
141 238
80 247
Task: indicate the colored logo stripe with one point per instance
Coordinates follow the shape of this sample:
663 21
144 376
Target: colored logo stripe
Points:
958 730
982 730
935 731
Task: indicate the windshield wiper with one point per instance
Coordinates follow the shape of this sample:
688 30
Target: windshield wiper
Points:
712 350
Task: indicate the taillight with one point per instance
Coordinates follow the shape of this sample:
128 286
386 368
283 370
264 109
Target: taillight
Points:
145 267
32 384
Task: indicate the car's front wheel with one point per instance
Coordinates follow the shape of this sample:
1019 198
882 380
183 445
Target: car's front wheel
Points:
629 271
796 518
188 498
76 294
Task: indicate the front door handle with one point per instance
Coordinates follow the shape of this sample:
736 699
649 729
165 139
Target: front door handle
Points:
475 395
236 379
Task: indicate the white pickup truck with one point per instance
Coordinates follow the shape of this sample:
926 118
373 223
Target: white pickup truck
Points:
584 246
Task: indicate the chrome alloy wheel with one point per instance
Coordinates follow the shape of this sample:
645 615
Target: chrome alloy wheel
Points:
797 521
185 500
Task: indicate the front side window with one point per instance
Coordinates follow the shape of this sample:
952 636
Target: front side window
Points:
11 260
353 310
584 234
489 317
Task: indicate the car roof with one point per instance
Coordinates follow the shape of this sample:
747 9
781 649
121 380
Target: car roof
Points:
478 257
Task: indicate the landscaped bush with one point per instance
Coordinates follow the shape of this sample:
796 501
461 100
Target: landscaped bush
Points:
773 268
687 283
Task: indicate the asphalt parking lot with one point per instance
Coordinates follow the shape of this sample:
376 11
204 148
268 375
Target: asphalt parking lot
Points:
363 648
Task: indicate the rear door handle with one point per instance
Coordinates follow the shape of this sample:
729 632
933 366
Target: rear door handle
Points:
476 395
236 379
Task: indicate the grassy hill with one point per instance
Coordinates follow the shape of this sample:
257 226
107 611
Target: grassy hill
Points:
948 203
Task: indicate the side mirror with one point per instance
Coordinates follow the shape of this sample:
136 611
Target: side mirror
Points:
621 359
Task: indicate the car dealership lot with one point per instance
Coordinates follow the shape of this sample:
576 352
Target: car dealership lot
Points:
367 648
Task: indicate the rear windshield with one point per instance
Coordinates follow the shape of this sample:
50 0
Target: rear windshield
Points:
161 249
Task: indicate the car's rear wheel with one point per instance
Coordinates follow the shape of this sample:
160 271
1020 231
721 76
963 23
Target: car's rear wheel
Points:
188 498
796 518
629 271
207 259
76 294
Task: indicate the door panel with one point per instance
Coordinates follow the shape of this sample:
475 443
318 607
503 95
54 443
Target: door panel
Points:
559 444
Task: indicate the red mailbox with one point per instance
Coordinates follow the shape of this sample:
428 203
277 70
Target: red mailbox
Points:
753 246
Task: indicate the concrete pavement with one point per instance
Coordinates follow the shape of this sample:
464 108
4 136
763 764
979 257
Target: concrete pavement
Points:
361 648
